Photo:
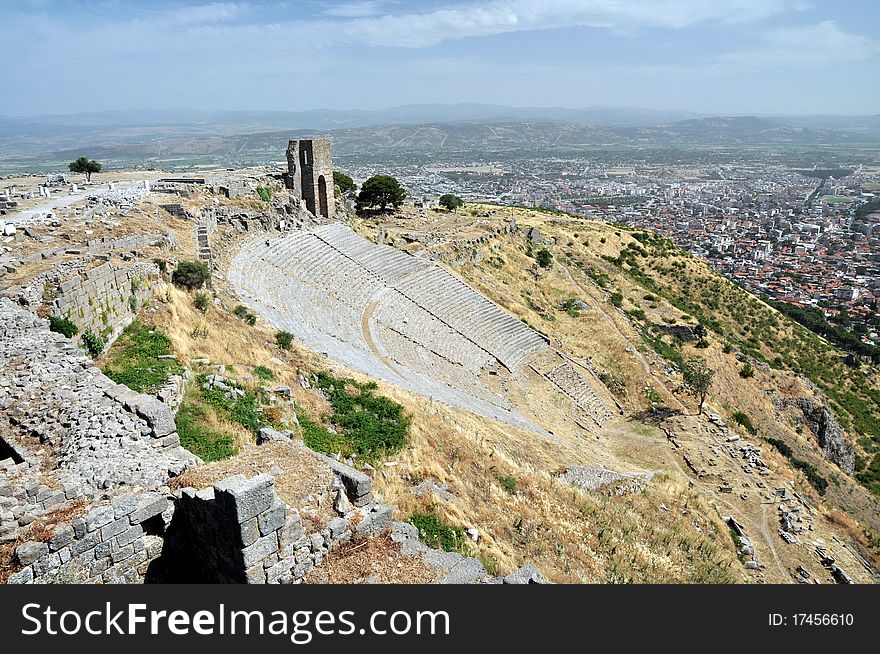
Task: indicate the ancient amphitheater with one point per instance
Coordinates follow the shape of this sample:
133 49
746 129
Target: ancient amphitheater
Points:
401 319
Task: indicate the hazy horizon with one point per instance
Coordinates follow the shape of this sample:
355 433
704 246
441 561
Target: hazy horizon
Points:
740 57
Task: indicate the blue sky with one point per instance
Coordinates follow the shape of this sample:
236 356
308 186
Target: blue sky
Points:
720 57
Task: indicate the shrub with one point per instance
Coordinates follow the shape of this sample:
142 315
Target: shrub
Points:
435 533
742 419
616 299
703 343
63 325
162 264
508 483
190 274
264 373
265 193
244 313
93 343
544 258
747 371
284 340
202 301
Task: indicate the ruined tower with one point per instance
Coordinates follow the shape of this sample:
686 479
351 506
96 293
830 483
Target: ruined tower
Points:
310 174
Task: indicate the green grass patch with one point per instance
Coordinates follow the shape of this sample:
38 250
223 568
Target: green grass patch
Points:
242 410
321 439
205 442
435 533
264 373
133 359
371 426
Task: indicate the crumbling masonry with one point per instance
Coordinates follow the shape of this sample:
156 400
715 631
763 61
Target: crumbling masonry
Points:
310 175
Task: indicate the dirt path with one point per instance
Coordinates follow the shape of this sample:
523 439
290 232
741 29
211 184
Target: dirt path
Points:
597 306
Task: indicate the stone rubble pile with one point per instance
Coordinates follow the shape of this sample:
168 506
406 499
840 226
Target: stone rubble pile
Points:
83 432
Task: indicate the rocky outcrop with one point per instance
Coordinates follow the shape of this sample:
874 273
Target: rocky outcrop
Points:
829 434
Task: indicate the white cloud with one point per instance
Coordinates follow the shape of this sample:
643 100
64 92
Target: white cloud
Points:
457 21
216 12
360 9
813 45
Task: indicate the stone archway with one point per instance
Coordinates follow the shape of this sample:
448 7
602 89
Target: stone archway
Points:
322 197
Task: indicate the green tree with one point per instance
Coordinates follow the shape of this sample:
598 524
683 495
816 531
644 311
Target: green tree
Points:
202 301
284 340
544 258
86 166
451 202
697 378
190 274
343 183
381 191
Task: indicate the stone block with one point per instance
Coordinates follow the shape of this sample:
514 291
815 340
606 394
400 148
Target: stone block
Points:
23 576
293 529
358 486
124 505
468 571
375 522
247 498
115 528
103 549
86 543
272 519
97 567
149 505
260 549
528 574
129 535
156 413
61 537
250 532
28 552
337 527
46 564
99 517
79 528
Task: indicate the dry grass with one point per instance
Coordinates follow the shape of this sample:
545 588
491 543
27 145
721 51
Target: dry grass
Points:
671 532
41 529
355 561
301 473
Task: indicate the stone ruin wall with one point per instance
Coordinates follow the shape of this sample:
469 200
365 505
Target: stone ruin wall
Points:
105 299
309 160
67 432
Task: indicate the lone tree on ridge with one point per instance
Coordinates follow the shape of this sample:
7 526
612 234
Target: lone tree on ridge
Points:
451 202
343 183
381 191
86 166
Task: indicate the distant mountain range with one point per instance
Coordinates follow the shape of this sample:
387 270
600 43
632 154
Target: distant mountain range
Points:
156 135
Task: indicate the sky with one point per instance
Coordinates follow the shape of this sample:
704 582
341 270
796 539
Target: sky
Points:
716 57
